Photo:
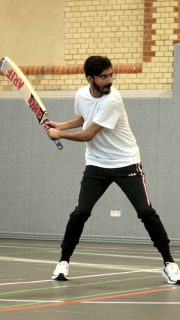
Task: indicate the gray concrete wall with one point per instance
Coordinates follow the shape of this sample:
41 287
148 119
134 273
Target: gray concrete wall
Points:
39 185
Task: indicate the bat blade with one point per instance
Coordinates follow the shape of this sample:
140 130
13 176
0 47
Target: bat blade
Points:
22 84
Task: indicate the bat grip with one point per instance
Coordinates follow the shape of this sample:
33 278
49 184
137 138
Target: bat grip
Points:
56 141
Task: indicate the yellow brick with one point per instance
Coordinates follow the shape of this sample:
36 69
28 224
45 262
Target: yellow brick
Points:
140 86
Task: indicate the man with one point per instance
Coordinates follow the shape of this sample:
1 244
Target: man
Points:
112 155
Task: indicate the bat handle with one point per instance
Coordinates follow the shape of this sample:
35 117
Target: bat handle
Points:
56 141
58 144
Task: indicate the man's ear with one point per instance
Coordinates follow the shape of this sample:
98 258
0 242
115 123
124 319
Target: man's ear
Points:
90 79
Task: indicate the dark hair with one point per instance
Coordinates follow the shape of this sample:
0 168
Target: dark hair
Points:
94 65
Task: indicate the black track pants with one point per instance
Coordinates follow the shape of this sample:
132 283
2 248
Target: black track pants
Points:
95 181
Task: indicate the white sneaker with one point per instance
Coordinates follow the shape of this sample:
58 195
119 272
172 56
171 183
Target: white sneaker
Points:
61 271
172 273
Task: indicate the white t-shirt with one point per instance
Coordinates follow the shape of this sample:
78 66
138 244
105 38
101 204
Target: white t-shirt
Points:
114 146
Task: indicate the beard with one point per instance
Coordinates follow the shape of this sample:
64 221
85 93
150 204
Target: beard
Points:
102 90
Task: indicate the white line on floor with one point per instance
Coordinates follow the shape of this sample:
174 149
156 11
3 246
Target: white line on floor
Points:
79 277
35 301
122 256
15 259
79 264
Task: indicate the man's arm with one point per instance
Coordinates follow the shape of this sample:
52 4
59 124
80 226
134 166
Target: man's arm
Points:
80 135
69 124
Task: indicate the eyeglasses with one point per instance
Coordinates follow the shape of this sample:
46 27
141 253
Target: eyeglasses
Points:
104 77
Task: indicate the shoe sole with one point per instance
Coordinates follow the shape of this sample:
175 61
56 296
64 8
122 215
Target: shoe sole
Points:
60 277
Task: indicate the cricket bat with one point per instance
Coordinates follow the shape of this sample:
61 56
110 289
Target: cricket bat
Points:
20 81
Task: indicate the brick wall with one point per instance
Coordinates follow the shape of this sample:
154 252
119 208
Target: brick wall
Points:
137 35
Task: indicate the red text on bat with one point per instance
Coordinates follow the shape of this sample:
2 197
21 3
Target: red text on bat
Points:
35 108
13 77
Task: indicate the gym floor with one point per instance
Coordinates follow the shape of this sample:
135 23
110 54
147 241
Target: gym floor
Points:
107 281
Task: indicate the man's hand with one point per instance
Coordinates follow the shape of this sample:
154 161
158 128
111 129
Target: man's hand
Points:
55 125
52 130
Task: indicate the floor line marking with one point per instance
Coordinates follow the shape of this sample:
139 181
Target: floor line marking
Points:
81 277
90 298
15 259
24 282
30 300
83 250
112 274
84 246
122 256
5 258
132 302
73 285
129 293
93 265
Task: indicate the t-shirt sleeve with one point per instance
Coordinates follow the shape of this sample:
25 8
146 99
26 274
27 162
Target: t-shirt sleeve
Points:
76 105
108 115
